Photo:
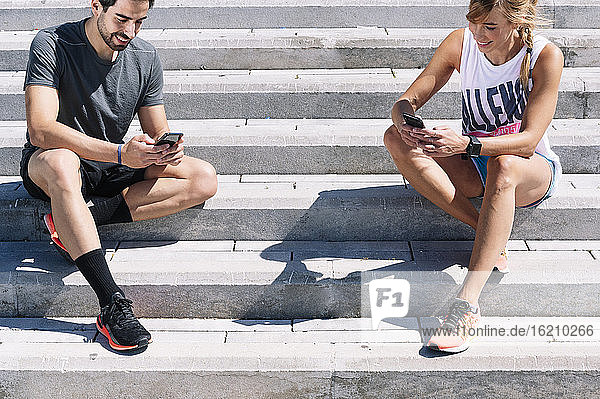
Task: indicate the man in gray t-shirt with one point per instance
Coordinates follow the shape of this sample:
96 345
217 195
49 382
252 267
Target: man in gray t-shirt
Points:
85 82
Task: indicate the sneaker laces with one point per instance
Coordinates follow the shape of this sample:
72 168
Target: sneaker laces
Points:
457 313
122 313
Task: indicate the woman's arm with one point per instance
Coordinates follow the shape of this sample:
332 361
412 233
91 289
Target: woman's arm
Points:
445 60
539 110
443 141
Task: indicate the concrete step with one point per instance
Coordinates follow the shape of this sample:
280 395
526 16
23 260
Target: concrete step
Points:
370 47
35 14
320 93
299 279
321 207
48 358
314 146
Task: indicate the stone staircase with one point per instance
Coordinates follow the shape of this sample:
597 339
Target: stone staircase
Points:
260 293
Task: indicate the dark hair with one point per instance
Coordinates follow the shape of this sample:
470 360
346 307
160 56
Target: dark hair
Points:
107 3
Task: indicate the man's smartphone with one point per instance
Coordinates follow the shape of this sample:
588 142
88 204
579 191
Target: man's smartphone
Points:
169 138
413 120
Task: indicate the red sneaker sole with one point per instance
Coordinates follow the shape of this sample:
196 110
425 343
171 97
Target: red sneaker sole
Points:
104 331
52 230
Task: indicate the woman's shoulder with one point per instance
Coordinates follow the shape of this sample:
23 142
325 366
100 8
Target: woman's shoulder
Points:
549 64
451 47
550 54
456 36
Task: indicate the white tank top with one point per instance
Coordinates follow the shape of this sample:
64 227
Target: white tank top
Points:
493 99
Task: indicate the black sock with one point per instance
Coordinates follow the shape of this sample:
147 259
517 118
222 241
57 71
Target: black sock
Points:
94 268
112 210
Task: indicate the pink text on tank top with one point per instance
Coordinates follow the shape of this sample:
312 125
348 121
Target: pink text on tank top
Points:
508 129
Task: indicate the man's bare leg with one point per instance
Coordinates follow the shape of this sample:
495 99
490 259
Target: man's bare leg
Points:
57 173
170 189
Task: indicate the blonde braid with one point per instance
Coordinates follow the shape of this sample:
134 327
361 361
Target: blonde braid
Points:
526 34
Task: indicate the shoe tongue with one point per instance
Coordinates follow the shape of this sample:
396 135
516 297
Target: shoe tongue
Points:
456 313
121 302
117 295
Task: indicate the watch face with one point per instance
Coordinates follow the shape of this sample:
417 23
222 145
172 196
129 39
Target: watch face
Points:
476 148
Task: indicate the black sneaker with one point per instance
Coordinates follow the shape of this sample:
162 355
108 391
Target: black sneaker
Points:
119 325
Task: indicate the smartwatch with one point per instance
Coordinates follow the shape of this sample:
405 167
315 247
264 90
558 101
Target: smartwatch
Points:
474 147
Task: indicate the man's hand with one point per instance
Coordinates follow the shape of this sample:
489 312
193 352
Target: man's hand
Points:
171 155
140 152
442 141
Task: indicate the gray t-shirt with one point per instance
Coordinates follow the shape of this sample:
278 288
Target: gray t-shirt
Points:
96 97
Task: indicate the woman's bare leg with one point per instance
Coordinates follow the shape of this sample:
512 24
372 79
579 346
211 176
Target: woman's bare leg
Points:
447 182
511 181
450 182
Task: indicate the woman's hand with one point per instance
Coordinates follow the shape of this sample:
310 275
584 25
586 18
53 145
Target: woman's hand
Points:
409 135
441 141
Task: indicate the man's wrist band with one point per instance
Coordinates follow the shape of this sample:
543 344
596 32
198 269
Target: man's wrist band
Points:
119 154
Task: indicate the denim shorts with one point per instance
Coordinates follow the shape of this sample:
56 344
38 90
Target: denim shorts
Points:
481 166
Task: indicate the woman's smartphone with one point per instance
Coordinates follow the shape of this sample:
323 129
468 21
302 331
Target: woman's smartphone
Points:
413 120
169 138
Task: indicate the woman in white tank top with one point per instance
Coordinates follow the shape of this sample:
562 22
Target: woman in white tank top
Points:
509 84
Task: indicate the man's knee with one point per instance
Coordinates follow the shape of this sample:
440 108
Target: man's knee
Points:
203 181
56 169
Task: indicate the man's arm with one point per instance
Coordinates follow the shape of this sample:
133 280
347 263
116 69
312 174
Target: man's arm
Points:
41 104
153 120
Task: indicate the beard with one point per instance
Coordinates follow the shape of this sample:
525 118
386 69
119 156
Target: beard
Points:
110 37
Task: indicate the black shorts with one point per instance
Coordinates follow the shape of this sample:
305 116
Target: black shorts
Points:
103 179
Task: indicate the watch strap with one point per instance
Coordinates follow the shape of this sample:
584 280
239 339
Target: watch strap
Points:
474 147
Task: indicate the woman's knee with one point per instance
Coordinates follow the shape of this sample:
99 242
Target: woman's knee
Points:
502 171
397 147
391 137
